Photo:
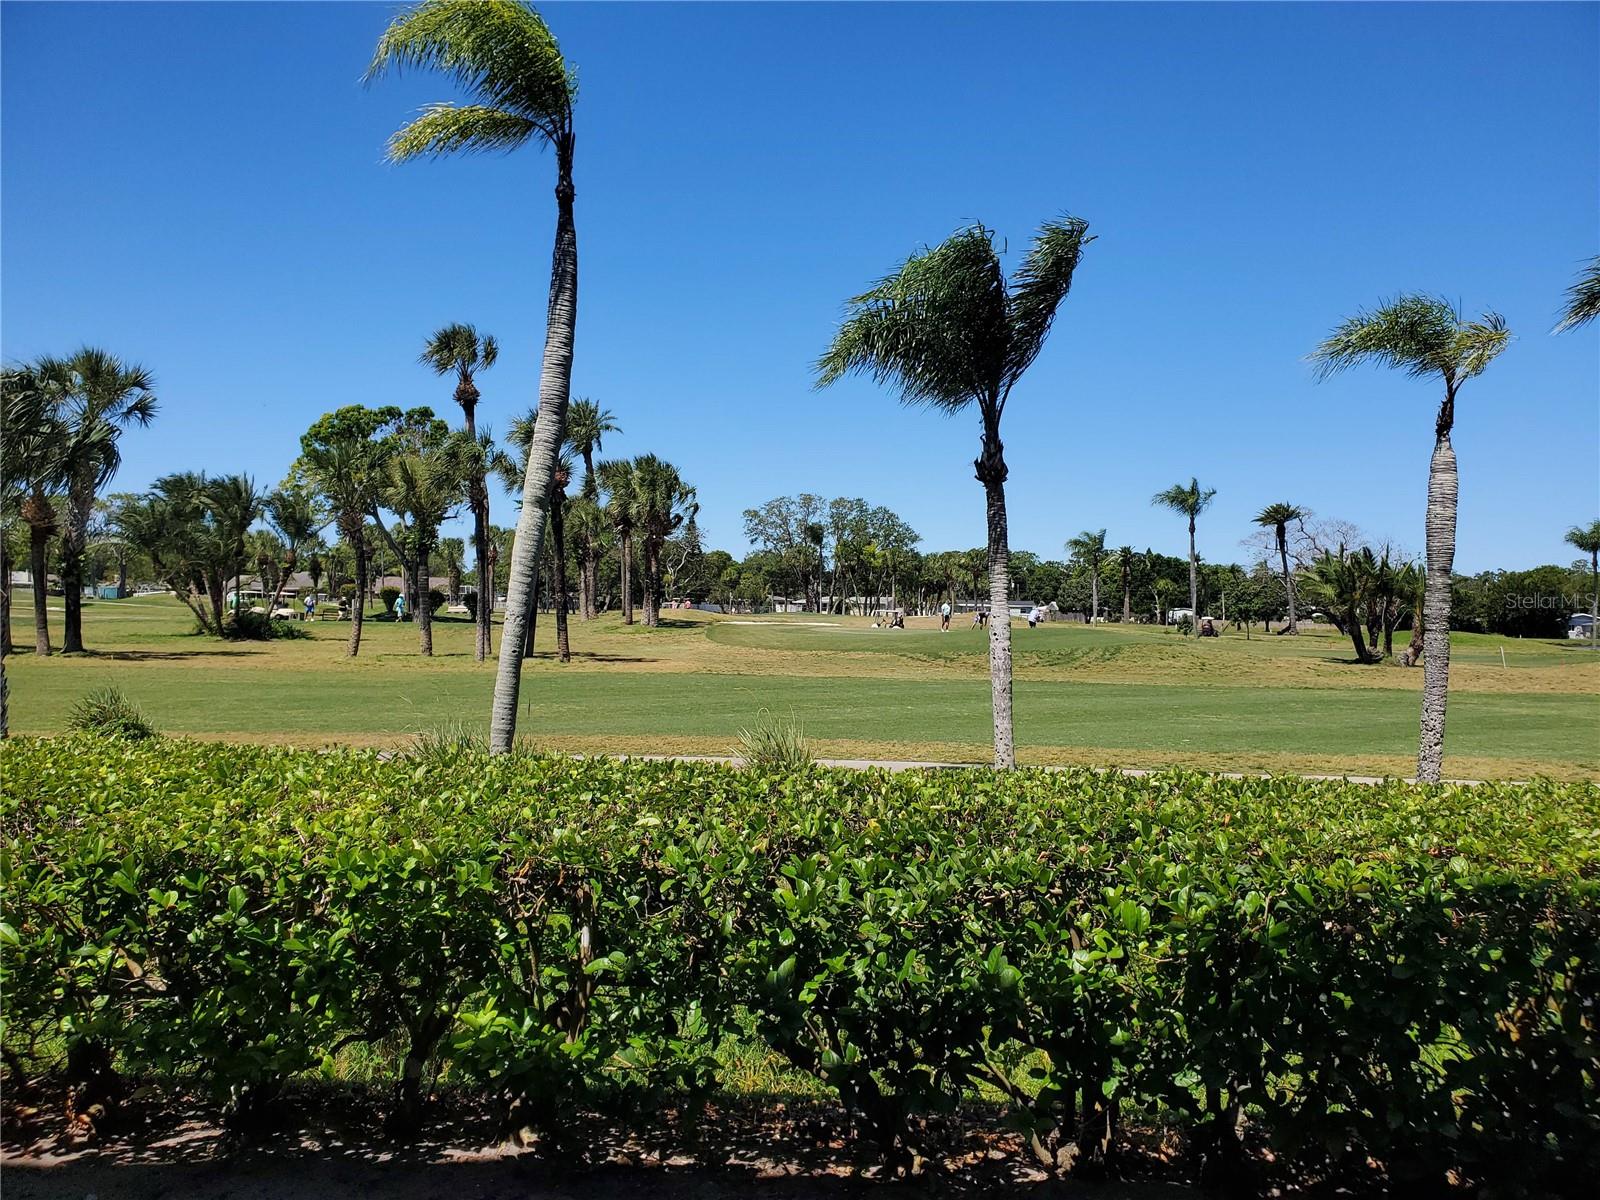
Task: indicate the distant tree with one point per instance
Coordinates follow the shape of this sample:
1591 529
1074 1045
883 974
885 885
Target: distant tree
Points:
616 476
587 425
452 555
1587 539
1189 500
292 512
946 331
1583 297
1424 336
521 436
661 502
1125 559
33 477
1089 548
1276 517
459 350
587 523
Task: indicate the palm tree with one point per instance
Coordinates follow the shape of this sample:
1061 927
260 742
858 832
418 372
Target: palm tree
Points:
1587 539
946 331
1190 500
502 53
33 476
1125 560
232 504
616 477
458 348
587 523
662 502
1089 547
98 396
522 434
452 551
1426 336
1277 517
1583 297
587 425
292 513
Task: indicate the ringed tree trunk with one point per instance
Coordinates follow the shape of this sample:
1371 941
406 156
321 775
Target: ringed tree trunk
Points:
1194 589
991 472
1288 580
652 581
358 603
555 382
558 538
591 579
424 603
1443 488
625 568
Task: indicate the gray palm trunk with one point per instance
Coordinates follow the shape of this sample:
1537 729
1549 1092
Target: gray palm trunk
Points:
625 570
555 382
38 564
1594 610
1194 587
5 599
1094 591
558 574
1127 597
991 471
1443 487
478 500
358 603
74 541
1288 579
424 609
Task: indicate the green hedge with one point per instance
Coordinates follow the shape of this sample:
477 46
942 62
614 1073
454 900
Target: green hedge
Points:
1406 974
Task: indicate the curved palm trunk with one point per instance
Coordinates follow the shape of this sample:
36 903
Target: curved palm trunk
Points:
991 470
424 609
555 382
38 566
358 605
558 570
1194 589
1443 487
1288 579
289 561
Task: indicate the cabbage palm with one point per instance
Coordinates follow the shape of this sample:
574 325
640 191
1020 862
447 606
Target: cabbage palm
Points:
616 476
1587 539
502 54
1189 500
1125 560
522 433
1089 548
459 349
587 426
1426 336
587 523
946 331
1583 297
662 502
1276 517
33 441
98 396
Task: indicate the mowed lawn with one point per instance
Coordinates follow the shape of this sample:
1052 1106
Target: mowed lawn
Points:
1106 695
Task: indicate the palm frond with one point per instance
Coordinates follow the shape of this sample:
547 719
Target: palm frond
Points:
1414 333
446 128
1583 298
1040 285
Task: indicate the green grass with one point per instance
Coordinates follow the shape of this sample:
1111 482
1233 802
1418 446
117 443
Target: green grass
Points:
1131 697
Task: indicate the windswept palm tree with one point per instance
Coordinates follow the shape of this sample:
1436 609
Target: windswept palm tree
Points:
503 55
458 349
1583 297
1587 539
1189 500
1089 548
98 396
946 331
1276 517
1426 336
616 476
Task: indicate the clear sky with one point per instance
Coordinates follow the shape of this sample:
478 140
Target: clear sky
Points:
201 187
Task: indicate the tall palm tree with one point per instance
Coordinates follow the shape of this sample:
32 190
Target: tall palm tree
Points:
1276 517
587 523
1587 539
459 349
1125 560
1190 500
98 396
1089 548
292 513
616 476
1583 297
33 443
503 55
662 502
1426 336
945 330
587 425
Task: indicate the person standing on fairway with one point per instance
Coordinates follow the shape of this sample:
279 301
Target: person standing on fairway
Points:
944 617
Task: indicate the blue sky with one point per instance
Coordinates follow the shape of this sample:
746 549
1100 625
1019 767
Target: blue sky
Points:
201 187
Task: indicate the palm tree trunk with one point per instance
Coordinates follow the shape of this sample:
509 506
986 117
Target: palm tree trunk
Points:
38 566
558 536
1443 487
555 383
591 580
283 581
5 599
1288 579
480 550
1094 592
1127 596
71 590
1194 589
424 609
358 603
625 567
991 471
1594 610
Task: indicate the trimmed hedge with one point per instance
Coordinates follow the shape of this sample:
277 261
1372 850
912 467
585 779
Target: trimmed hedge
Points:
1401 973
